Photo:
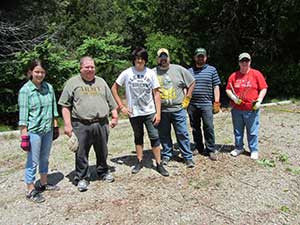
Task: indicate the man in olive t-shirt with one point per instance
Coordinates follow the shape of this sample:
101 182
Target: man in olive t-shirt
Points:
86 103
177 85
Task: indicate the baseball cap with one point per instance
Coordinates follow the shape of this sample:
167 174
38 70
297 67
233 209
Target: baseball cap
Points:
163 53
200 51
244 55
73 143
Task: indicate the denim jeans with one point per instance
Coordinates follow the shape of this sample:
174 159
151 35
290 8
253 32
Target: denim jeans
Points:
178 120
40 146
250 120
204 113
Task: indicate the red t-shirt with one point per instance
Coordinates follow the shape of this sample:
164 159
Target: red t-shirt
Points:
246 87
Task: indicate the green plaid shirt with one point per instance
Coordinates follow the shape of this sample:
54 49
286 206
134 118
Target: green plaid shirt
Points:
37 107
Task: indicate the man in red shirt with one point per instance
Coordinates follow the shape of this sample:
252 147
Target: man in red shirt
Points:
246 88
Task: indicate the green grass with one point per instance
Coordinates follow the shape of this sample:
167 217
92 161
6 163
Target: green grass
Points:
4 127
266 162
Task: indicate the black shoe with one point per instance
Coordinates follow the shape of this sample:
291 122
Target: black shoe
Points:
46 187
160 168
190 163
213 156
35 196
137 167
165 161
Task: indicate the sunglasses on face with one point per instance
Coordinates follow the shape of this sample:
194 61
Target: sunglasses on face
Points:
244 60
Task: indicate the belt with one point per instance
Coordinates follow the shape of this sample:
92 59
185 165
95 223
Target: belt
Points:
102 121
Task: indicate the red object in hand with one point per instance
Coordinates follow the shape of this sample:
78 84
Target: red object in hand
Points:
55 133
25 143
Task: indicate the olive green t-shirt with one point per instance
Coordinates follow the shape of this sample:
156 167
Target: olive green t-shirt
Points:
173 82
87 99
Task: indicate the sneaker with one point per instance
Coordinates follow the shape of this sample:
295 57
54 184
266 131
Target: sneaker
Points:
46 187
190 163
236 152
137 167
165 161
160 168
254 155
35 196
82 185
108 177
213 156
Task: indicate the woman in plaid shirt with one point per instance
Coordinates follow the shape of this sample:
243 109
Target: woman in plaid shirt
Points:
38 124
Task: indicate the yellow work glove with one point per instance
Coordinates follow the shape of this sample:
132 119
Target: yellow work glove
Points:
186 101
256 104
216 107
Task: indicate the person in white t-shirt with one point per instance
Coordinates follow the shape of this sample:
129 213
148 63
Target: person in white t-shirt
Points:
143 105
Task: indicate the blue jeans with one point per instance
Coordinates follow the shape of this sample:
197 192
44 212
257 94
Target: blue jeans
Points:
250 120
178 120
205 114
40 146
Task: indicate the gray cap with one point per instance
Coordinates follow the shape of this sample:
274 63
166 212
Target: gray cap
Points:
200 51
244 55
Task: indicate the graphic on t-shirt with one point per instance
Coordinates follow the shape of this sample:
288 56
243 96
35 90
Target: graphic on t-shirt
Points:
141 91
167 91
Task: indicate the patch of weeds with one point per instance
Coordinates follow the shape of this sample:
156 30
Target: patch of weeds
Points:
283 158
267 162
10 136
294 171
4 127
285 209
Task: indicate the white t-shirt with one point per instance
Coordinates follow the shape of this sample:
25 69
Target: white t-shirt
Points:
139 86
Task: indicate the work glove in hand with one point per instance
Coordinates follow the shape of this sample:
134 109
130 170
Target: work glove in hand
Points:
186 102
55 133
216 107
25 143
256 104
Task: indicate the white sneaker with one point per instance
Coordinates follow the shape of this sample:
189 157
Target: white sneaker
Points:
236 152
82 185
254 155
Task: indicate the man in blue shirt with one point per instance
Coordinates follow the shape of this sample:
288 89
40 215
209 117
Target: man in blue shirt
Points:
205 101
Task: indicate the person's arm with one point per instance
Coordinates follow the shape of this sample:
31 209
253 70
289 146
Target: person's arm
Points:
217 104
190 89
114 118
66 113
188 96
157 117
217 93
115 93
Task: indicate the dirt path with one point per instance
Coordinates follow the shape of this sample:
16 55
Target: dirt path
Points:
229 191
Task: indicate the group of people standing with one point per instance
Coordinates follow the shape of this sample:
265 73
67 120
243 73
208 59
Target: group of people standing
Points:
157 98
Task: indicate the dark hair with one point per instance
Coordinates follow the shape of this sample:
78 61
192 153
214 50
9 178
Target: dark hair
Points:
139 52
32 65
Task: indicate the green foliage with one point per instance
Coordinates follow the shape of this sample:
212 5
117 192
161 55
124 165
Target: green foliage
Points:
293 170
58 67
266 162
285 209
176 47
109 54
283 157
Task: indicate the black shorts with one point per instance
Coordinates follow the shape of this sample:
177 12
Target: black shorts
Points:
138 129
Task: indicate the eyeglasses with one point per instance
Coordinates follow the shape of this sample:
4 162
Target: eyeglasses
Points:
244 60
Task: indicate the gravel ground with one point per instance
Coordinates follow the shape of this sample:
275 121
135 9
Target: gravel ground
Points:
229 191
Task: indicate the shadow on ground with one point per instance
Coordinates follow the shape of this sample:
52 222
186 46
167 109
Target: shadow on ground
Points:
92 174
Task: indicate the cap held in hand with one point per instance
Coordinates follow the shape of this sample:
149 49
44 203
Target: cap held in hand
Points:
73 143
